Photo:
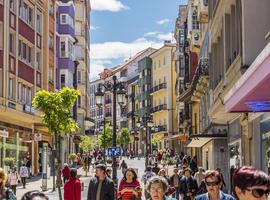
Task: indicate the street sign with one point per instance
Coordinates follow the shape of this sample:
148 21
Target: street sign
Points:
114 151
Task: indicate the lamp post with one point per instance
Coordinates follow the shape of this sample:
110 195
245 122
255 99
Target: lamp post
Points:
147 123
118 90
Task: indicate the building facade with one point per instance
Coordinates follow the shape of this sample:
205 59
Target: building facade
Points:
24 36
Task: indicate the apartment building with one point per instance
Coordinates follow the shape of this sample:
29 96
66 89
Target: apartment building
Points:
163 96
24 37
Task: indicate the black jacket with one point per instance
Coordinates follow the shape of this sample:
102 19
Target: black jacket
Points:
107 189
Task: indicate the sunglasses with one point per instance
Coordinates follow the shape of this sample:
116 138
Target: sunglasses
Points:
258 193
214 183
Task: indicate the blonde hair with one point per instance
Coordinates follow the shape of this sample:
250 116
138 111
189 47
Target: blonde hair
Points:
160 171
3 177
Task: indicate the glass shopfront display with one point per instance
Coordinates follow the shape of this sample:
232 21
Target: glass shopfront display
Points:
265 145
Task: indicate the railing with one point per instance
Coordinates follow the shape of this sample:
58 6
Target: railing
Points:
159 87
159 108
107 101
202 70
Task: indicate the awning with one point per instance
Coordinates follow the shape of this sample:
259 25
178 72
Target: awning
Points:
251 92
200 140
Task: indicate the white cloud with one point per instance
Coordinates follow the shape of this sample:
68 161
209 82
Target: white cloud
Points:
93 27
150 33
108 5
163 21
165 36
103 54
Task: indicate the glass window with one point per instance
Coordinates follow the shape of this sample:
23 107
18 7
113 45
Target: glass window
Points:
11 5
63 79
38 23
11 88
19 91
51 8
38 61
79 101
11 43
51 74
79 77
38 78
51 41
63 18
63 49
195 22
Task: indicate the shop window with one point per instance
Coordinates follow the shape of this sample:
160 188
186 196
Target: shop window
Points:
63 49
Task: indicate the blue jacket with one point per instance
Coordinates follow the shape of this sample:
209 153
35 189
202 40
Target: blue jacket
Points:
222 194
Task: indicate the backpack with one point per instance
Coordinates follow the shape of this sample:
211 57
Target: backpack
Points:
10 195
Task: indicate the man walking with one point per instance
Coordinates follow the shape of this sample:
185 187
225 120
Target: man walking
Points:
100 187
188 185
175 182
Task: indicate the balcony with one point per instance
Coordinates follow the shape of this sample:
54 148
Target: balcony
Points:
159 128
159 87
159 108
201 72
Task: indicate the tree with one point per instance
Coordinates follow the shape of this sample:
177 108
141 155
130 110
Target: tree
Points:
105 140
124 138
55 114
87 144
156 141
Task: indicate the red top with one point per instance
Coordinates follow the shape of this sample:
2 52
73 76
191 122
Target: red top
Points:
66 172
123 185
72 189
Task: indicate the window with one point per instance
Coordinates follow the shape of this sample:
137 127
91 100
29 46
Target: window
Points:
51 41
79 101
63 79
11 43
19 92
38 24
159 64
51 8
51 74
25 52
70 49
79 77
195 22
205 2
38 78
164 60
28 95
38 61
11 5
26 13
1 2
63 18
24 94
11 88
12 64
63 49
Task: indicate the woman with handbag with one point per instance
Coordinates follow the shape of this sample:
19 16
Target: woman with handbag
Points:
129 188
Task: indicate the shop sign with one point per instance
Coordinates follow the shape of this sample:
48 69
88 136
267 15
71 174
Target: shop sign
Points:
183 138
4 133
38 137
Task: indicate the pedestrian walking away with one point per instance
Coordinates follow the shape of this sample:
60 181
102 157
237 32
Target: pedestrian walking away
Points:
72 188
101 187
129 188
250 183
156 168
5 193
24 173
213 183
66 172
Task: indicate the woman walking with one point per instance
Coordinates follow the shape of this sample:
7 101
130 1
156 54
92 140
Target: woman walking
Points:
129 187
5 193
13 180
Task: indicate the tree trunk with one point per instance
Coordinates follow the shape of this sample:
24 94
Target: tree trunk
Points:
53 161
58 167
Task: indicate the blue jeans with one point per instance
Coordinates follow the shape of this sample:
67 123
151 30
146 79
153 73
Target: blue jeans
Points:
176 194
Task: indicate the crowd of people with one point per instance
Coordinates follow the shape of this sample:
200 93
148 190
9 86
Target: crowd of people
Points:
187 181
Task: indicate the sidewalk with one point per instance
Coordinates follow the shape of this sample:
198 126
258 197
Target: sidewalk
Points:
35 184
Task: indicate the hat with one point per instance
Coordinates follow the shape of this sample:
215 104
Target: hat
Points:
101 166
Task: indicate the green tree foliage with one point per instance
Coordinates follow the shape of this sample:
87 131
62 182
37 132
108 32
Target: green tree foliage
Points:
105 139
54 107
87 144
124 138
55 112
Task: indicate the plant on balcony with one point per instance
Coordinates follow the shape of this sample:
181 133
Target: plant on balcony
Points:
9 161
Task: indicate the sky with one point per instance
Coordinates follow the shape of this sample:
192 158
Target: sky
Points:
121 28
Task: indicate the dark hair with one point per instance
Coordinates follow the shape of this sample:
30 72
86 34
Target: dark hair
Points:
213 173
73 172
187 169
248 176
133 172
102 167
32 194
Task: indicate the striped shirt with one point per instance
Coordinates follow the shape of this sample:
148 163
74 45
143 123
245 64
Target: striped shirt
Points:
123 185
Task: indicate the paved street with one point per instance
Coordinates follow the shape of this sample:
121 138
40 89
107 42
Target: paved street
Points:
35 183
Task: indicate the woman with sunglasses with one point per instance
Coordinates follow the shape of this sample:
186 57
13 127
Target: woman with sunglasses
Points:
213 183
250 184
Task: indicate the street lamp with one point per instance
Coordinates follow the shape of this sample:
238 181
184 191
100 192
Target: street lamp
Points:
146 123
119 93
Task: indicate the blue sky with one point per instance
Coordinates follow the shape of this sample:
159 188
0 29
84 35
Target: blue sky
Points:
119 29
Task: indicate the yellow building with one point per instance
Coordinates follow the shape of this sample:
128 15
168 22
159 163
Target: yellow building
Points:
164 97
